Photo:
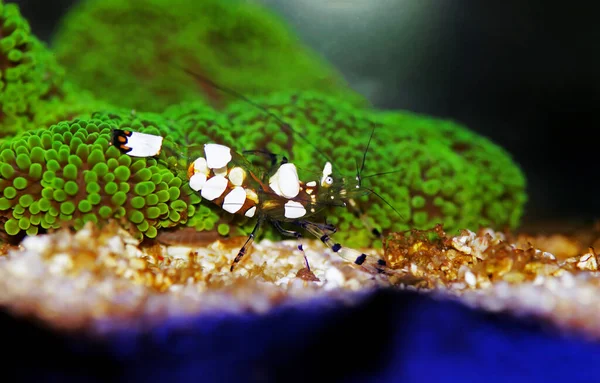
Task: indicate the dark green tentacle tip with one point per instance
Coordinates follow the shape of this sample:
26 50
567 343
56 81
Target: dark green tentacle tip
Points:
35 171
6 170
84 206
67 208
71 188
105 212
163 195
138 202
174 216
144 226
96 156
151 200
151 232
153 212
174 193
178 205
122 173
10 192
111 188
136 216
223 229
144 188
24 223
5 204
20 183
23 161
26 200
70 172
118 199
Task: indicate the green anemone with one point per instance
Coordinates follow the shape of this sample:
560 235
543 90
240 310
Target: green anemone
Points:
438 171
33 90
137 61
48 181
67 173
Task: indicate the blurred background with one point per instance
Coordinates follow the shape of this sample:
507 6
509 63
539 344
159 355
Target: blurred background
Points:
524 75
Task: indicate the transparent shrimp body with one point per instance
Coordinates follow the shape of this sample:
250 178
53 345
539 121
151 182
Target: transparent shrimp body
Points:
227 179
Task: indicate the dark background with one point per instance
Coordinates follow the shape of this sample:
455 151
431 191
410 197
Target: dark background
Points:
524 75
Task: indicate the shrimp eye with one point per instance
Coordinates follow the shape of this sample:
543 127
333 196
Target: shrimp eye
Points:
328 181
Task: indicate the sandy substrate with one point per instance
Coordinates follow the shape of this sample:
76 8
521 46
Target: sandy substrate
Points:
102 280
554 278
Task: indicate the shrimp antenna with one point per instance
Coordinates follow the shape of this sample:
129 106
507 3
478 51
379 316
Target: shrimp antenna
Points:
381 174
362 166
240 96
358 177
386 202
380 197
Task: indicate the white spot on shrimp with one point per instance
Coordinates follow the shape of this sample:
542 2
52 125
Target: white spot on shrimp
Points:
217 156
294 209
197 181
237 175
327 170
214 187
200 166
285 181
250 212
234 200
311 184
144 145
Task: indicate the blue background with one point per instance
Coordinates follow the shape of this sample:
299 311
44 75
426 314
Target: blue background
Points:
391 336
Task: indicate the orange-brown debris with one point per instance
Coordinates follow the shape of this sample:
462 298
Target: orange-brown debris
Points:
484 258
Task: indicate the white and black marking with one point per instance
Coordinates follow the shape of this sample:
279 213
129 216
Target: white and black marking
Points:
247 244
360 259
137 144
234 200
217 156
214 187
363 260
293 209
326 180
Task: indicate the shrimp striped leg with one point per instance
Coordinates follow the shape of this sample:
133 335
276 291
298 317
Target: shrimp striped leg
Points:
295 234
248 243
367 262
